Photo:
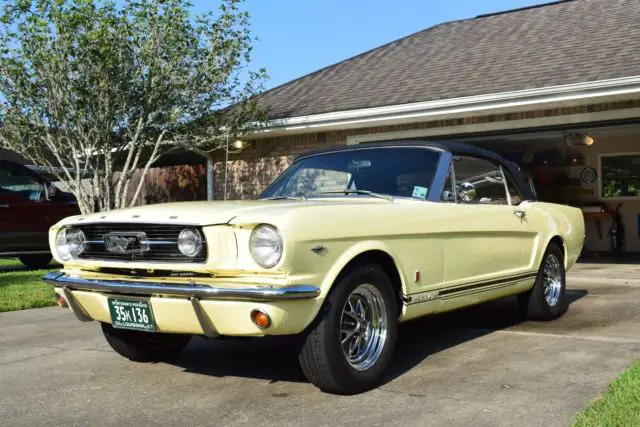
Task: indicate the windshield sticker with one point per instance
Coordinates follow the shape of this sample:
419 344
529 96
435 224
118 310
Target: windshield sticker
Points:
420 192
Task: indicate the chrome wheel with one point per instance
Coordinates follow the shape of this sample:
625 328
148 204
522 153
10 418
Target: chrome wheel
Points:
363 327
552 280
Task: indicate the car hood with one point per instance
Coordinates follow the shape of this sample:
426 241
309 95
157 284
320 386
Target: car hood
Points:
210 213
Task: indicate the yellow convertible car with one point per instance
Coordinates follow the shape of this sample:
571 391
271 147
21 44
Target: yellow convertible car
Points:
343 246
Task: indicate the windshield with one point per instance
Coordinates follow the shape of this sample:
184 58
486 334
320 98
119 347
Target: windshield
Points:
396 172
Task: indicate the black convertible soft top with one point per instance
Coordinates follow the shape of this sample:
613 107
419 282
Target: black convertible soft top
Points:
454 147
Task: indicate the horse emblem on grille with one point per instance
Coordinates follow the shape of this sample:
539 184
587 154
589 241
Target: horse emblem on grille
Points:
126 243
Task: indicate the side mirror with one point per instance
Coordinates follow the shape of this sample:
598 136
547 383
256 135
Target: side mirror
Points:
525 205
466 192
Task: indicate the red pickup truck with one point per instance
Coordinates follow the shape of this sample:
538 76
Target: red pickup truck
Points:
29 205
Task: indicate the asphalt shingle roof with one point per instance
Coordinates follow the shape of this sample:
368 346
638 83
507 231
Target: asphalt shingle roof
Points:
555 44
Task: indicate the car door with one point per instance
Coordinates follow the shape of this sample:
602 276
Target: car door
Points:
486 234
23 215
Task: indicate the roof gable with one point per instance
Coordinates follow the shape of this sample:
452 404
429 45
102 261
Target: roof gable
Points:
556 44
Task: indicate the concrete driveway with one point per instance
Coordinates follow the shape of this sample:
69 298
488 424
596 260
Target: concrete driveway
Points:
477 366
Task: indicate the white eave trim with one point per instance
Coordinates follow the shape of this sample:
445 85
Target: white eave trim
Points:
553 96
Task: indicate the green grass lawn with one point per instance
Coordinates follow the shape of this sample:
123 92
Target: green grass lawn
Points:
619 406
21 289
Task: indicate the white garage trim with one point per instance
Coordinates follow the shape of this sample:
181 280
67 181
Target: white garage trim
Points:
522 100
498 126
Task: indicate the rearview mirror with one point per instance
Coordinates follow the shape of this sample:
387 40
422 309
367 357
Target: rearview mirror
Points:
356 165
466 192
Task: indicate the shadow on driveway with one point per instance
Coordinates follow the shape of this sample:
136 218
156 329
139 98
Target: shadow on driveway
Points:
275 358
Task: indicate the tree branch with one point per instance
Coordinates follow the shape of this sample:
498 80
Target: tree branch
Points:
152 159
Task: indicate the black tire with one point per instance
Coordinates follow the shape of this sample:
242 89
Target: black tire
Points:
321 355
35 262
144 346
533 304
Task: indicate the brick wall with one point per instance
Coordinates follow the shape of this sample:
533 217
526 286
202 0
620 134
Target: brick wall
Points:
251 170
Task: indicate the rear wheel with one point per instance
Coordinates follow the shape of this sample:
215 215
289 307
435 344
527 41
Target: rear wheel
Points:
35 262
351 344
144 346
547 299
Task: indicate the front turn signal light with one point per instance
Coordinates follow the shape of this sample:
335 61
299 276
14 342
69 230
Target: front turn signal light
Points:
260 319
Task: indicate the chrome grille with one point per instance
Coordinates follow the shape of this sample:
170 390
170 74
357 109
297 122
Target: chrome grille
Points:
163 243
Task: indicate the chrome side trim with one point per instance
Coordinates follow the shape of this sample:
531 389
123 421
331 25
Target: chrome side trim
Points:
466 289
292 292
75 307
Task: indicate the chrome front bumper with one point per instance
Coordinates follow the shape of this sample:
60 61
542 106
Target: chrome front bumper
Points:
191 290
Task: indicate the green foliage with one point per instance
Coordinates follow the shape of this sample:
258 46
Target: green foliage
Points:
620 405
97 86
20 290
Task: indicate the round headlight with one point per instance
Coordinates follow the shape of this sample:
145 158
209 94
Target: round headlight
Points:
190 242
70 243
265 245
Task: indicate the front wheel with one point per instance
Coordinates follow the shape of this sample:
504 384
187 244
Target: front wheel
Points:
351 343
547 299
144 346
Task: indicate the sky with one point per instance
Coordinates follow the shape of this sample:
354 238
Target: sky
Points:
297 37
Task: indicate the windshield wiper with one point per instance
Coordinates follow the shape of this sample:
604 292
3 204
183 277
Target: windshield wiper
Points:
285 198
363 192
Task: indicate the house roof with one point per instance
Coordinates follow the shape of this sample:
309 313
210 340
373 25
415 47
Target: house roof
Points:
555 44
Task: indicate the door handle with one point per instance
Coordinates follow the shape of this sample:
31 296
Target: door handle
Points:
5 206
520 214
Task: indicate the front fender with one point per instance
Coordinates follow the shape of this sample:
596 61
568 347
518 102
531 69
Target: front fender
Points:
353 252
334 267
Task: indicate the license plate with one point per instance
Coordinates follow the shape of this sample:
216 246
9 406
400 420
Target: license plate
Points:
131 314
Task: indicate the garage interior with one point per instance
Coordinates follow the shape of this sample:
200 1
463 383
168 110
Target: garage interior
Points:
594 167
